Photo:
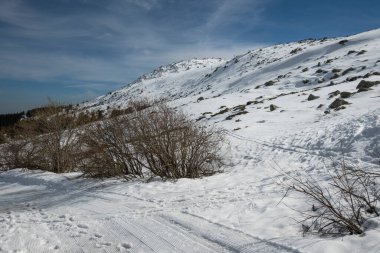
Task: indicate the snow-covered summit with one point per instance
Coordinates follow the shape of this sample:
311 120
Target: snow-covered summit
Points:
173 80
298 65
180 66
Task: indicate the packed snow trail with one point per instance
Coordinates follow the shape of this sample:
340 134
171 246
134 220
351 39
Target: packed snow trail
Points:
66 215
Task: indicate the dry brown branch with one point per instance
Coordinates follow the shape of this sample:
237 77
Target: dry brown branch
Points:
172 145
153 138
109 152
342 206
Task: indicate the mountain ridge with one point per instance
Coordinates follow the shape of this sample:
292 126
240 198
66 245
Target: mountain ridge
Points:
282 64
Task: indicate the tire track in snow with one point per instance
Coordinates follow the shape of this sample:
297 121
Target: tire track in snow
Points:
137 225
148 235
182 232
181 238
228 238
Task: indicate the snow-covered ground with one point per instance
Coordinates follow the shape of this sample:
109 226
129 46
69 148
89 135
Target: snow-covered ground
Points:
241 209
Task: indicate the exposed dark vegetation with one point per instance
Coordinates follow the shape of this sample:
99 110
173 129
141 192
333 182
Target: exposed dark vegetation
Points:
10 119
147 139
296 50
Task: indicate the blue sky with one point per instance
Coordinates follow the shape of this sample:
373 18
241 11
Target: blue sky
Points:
74 50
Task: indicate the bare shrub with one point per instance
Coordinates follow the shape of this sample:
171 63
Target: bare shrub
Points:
172 145
350 197
20 153
20 148
60 148
147 138
109 151
154 139
46 141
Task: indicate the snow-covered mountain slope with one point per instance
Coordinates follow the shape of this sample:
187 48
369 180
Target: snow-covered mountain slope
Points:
280 111
293 66
301 80
174 81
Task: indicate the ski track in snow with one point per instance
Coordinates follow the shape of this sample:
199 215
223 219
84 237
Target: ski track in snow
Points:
139 226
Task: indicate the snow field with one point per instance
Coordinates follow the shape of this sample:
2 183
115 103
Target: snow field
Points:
241 209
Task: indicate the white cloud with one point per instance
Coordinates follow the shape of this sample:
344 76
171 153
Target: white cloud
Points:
51 48
231 12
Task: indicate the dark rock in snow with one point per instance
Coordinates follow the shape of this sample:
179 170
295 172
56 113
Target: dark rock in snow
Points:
365 85
200 99
334 93
347 70
269 83
343 42
336 70
345 94
273 107
312 97
338 103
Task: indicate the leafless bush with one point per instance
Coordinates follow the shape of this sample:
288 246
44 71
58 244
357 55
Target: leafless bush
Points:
350 197
153 138
20 153
149 138
109 151
172 145
46 141
59 142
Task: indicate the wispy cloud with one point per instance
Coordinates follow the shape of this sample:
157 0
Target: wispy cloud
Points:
97 45
108 47
229 12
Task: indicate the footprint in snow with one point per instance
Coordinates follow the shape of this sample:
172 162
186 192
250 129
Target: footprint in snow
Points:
124 245
43 242
102 244
84 226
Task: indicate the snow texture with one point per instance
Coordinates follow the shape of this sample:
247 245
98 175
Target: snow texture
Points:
239 210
